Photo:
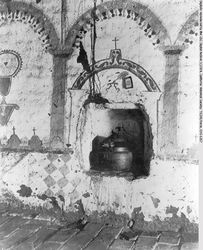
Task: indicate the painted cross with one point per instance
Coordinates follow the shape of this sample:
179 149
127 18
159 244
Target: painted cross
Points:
115 40
35 143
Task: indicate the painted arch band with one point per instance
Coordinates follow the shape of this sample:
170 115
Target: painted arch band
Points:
115 61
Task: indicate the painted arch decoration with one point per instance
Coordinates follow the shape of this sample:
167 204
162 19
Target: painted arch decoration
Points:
189 31
141 14
116 61
28 14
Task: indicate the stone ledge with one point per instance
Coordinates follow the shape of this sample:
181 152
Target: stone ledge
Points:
112 173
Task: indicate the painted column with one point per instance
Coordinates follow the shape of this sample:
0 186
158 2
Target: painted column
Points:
60 57
151 105
168 136
58 100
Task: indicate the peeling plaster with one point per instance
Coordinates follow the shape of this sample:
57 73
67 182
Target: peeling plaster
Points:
155 201
24 191
156 194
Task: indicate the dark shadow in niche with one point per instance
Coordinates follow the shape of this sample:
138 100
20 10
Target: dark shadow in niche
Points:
128 148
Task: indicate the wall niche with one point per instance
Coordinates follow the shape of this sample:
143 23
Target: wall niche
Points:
116 140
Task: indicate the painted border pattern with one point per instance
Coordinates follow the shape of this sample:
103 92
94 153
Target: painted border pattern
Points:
147 21
189 31
35 18
115 61
19 58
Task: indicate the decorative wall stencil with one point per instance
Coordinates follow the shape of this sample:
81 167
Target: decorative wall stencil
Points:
10 65
189 31
146 20
6 111
115 60
55 175
14 141
35 142
114 83
36 19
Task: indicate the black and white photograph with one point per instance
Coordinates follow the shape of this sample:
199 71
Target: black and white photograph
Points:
100 124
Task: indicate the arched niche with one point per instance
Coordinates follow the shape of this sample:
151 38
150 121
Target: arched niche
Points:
143 99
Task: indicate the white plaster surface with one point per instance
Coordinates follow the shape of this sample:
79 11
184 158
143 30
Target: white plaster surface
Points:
52 11
31 89
134 45
188 116
170 181
179 10
174 183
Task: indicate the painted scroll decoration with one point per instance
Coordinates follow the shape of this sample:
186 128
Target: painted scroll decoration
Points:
10 65
115 60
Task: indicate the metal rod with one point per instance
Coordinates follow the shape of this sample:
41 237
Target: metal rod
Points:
93 35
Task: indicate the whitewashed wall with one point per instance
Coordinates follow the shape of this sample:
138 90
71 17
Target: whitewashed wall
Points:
31 89
171 183
188 129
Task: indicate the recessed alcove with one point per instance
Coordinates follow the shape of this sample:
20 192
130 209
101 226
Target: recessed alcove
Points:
113 134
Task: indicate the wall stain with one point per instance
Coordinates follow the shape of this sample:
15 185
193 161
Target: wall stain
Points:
189 210
22 156
116 204
138 218
86 195
52 199
25 191
155 201
80 208
173 223
172 210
